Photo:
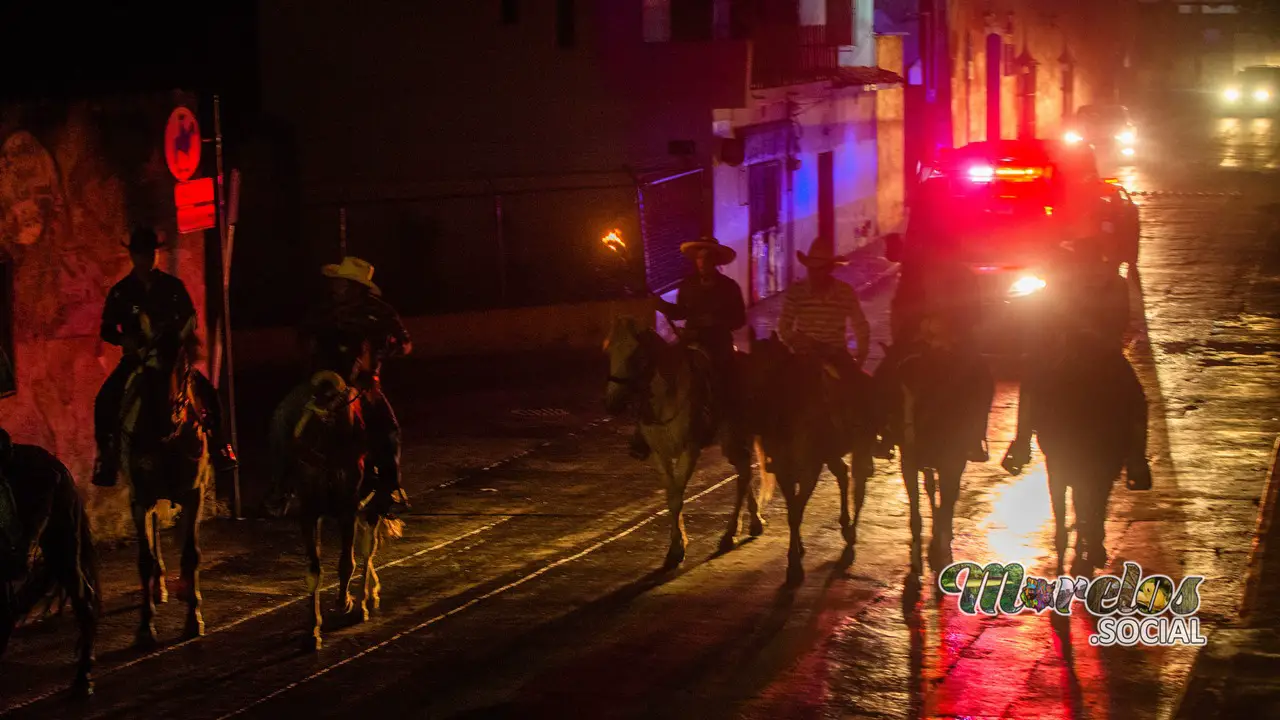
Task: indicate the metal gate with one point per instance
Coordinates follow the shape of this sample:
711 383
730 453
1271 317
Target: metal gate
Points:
671 213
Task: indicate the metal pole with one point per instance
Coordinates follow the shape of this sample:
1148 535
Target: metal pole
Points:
502 247
225 243
342 232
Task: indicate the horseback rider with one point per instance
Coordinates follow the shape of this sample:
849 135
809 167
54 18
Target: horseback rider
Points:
166 303
938 305
1089 304
355 312
710 304
816 316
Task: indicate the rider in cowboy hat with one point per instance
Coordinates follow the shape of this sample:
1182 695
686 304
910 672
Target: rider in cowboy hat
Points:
354 311
165 301
711 306
816 317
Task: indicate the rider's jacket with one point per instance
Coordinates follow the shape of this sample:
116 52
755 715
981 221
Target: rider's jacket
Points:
166 303
366 319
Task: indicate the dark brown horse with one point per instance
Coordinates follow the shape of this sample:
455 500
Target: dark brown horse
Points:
799 434
929 392
64 563
320 446
671 385
165 456
1089 412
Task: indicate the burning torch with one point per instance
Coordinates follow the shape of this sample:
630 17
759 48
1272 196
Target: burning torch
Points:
613 240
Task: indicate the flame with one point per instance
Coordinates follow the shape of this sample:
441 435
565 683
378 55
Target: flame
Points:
613 241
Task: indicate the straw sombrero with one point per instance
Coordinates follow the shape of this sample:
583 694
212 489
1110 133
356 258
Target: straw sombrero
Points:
821 254
353 269
721 254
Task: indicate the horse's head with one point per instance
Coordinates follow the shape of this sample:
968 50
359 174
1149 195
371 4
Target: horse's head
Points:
164 392
632 360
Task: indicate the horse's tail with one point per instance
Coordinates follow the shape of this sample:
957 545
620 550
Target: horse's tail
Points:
390 529
768 481
87 561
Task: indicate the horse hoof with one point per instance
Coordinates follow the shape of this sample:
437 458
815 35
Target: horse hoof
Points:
375 602
848 557
757 527
161 594
312 643
194 627
795 574
674 558
850 534
82 689
146 638
727 543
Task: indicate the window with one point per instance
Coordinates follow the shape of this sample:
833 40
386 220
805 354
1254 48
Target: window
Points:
685 20
510 12
565 29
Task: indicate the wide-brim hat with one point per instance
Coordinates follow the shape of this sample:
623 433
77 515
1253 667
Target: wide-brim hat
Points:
821 254
355 270
143 239
720 254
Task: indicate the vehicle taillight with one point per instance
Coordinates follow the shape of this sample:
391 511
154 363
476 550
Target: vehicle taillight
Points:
982 173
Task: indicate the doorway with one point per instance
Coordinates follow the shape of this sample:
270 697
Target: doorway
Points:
766 256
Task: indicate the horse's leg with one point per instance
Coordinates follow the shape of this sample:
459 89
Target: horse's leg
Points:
944 516
69 556
755 501
1058 498
346 565
677 481
910 477
189 531
735 517
795 518
847 527
146 635
1091 518
368 547
315 572
8 620
1102 498
159 590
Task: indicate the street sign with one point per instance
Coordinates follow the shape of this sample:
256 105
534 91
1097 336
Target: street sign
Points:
196 209
182 144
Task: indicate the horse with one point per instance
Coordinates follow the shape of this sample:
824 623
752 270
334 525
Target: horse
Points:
165 456
926 388
1089 413
320 448
672 386
58 559
799 435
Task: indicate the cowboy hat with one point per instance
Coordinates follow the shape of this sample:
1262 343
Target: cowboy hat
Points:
353 269
143 239
721 254
821 254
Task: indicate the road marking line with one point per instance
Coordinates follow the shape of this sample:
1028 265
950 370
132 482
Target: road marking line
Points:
255 615
473 602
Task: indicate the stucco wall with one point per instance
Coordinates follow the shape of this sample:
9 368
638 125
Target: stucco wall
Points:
73 180
891 139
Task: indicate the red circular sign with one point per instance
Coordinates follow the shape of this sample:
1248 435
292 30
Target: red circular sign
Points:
182 144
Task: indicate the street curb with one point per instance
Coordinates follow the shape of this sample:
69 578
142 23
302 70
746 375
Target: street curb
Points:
1199 676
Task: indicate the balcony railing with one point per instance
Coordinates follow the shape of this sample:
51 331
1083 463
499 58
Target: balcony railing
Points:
789 55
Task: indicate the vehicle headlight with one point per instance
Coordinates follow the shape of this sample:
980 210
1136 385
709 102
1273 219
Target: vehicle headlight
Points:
1231 94
1127 137
1262 95
1026 285
1072 137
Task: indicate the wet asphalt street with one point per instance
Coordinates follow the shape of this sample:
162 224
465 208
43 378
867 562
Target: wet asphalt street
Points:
526 584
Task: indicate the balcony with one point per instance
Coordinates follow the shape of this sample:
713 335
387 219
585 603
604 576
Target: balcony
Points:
791 55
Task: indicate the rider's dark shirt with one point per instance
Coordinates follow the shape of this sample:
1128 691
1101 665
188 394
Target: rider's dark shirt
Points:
712 309
942 289
166 303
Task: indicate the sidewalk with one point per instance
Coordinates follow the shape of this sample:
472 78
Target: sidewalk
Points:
1238 673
